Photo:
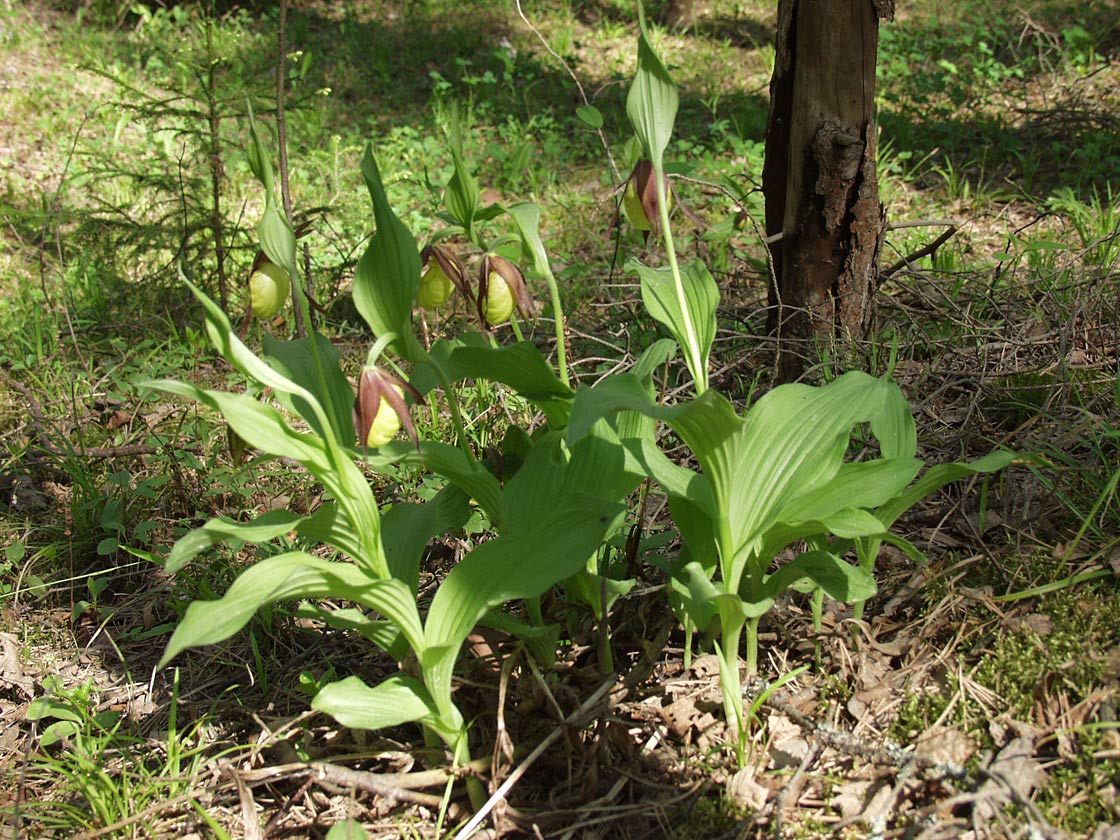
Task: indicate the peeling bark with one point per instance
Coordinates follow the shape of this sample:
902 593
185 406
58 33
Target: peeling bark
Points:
819 179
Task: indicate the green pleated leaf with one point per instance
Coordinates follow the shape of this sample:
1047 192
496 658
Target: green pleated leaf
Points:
659 293
840 580
234 351
277 239
294 360
866 484
462 195
527 217
467 474
387 278
541 641
406 530
520 366
379 631
939 476
328 525
261 426
505 569
652 102
587 588
267 526
292 575
397 700
260 161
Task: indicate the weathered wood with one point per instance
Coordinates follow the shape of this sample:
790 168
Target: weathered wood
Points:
819 178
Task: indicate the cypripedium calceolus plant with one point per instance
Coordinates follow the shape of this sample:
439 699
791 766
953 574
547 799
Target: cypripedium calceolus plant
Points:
776 476
557 508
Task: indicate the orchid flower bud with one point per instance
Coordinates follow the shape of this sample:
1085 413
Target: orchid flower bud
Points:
640 200
269 287
501 286
442 273
380 409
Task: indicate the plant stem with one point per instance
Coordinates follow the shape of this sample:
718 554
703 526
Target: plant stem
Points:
453 405
752 644
558 319
730 684
695 362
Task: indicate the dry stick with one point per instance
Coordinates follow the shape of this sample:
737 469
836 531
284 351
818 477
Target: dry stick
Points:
505 787
402 782
282 137
214 118
921 252
579 87
139 816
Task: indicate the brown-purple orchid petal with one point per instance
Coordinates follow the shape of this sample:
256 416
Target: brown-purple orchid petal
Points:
450 264
375 384
490 311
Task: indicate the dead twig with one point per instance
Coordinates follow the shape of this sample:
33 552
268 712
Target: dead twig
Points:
573 719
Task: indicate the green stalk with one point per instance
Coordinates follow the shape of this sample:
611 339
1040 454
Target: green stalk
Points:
752 644
730 685
453 405
558 318
699 372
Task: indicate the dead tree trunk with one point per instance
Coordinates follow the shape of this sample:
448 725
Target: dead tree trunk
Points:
819 178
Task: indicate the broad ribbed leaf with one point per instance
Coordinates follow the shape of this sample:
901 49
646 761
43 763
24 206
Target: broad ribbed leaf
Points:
462 192
329 525
588 587
794 438
542 641
840 580
262 427
651 104
520 366
934 479
292 575
267 526
505 569
277 239
295 361
594 466
399 699
407 529
866 484
379 631
234 351
527 216
387 278
937 477
894 426
258 424
260 161
659 294
451 462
